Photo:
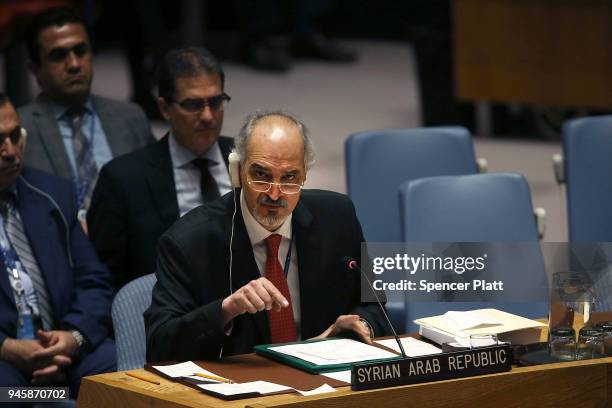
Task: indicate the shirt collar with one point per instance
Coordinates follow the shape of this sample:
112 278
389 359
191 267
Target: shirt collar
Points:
256 232
12 190
182 156
60 110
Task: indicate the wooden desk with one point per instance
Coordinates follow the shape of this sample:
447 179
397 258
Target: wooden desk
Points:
574 384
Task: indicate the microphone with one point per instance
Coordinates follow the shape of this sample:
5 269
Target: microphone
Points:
354 266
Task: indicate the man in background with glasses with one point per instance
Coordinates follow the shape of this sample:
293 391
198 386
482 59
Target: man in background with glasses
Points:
264 264
139 196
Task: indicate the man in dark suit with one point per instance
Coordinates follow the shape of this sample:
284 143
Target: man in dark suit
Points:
72 132
273 272
140 195
56 294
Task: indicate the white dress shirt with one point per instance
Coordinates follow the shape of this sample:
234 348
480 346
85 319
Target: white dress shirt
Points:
187 176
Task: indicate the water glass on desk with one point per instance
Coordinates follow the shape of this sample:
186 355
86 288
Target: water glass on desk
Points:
562 343
590 343
483 340
606 328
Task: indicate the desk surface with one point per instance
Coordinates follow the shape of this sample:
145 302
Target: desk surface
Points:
579 384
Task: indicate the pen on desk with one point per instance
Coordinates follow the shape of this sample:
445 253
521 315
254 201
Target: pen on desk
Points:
214 377
140 377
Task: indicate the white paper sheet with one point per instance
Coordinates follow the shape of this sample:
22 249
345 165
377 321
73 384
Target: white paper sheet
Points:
339 375
325 388
186 369
180 370
470 319
262 387
412 346
338 351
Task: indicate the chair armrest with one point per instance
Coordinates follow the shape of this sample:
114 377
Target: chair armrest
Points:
483 164
540 216
559 168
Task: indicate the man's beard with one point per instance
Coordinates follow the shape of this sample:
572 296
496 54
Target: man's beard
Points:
270 221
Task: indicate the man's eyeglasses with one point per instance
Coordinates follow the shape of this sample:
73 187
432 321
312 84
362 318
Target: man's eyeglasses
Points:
265 186
14 135
198 105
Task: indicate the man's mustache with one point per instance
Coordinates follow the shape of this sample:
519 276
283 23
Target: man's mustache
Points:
265 200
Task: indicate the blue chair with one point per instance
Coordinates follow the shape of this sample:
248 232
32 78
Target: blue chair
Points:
128 306
493 208
587 147
377 162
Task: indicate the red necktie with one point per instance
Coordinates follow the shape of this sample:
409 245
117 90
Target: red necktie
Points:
282 325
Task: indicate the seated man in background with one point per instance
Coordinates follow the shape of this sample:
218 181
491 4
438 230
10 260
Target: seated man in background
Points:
73 133
140 195
263 264
55 310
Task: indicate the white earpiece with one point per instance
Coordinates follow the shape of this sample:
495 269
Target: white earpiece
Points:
234 168
23 139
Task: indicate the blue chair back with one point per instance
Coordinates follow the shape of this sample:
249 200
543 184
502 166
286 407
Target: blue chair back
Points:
128 306
587 147
377 162
493 208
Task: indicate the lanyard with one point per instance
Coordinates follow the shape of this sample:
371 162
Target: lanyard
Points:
288 258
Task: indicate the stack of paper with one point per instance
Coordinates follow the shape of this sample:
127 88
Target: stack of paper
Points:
256 388
224 389
333 352
190 370
456 327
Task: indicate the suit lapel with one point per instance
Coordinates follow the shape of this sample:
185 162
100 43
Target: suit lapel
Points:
114 130
160 179
5 284
226 144
49 137
308 265
34 211
244 267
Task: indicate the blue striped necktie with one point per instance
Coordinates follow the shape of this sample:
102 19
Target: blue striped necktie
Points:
23 253
86 168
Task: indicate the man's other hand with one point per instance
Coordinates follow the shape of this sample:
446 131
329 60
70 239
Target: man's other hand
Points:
348 322
56 342
255 296
21 353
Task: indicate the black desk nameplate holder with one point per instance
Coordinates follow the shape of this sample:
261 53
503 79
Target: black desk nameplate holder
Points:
436 367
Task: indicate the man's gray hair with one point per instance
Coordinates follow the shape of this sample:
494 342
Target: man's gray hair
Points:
241 141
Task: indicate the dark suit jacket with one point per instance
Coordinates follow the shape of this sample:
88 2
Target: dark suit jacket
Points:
133 204
125 125
81 294
184 320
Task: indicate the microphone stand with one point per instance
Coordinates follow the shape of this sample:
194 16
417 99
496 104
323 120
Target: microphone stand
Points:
352 264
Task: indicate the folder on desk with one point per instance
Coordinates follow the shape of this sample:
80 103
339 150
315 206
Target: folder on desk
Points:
327 355
508 327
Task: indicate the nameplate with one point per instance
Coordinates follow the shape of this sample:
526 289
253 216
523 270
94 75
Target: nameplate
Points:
414 370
